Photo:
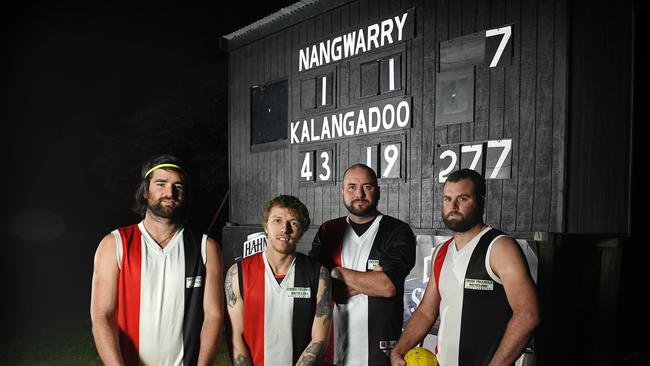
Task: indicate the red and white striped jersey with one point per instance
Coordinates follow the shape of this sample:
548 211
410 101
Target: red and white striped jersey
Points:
160 297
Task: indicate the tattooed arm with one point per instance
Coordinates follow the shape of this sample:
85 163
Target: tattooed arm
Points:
312 355
235 307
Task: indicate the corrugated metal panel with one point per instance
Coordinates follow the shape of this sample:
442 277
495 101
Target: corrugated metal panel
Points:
270 19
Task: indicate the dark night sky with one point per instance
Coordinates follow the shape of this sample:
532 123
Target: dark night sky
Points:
87 92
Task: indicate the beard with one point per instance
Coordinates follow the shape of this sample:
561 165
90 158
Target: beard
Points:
465 222
369 209
173 213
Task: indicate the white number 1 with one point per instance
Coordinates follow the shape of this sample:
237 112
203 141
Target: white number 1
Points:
369 156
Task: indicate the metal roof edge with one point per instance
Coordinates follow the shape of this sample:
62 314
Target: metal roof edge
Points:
290 15
269 19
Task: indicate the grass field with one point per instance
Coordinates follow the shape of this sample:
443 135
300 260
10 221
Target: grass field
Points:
64 345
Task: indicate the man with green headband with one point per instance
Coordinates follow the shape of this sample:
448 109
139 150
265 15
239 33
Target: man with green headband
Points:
157 292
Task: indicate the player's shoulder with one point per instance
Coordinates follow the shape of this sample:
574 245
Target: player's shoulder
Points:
394 224
249 259
127 228
210 241
503 239
505 247
329 224
391 219
311 262
108 239
107 248
233 268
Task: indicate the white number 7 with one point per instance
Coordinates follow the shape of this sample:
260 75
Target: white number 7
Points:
506 145
506 31
477 150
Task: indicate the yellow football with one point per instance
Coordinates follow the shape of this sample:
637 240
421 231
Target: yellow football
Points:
420 356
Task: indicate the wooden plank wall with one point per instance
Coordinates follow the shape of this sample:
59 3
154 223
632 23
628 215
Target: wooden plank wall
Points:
599 136
525 101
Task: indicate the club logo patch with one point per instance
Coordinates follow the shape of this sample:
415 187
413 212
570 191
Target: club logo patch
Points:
192 282
372 263
386 345
299 292
481 285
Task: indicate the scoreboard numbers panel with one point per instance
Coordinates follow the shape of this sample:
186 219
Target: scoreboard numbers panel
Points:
471 156
391 155
324 89
498 160
369 79
390 73
492 47
318 165
325 165
369 156
499 47
493 159
307 94
307 166
447 161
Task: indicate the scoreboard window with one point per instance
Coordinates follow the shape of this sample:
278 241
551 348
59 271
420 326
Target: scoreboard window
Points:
390 75
378 75
369 79
317 90
381 76
269 112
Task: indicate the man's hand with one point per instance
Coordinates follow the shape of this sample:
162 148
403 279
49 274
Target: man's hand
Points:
340 292
374 283
336 273
397 359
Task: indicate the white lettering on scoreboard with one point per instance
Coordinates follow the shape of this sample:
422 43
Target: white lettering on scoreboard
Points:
388 163
317 165
493 159
358 41
387 115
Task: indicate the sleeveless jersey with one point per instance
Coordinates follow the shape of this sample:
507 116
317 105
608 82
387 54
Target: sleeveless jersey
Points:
366 328
278 317
474 309
160 297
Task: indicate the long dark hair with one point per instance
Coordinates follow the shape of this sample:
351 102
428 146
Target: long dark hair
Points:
140 205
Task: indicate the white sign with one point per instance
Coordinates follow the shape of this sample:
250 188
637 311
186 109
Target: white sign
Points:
389 115
358 41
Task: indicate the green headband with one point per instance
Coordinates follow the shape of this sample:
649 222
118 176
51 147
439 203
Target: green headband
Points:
162 166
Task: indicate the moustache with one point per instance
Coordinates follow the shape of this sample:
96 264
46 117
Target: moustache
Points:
454 213
171 199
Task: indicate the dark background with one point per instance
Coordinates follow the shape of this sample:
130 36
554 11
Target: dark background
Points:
87 93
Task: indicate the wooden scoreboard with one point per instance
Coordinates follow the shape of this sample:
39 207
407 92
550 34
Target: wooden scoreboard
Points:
418 89
413 89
